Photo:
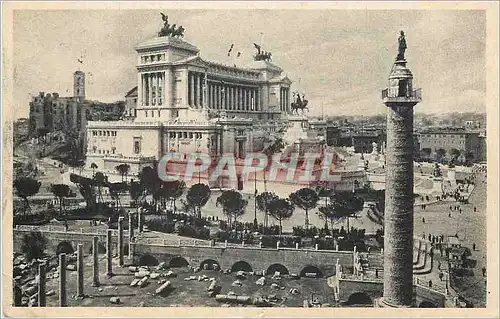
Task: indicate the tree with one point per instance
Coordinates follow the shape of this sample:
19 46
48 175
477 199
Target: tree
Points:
115 190
123 170
426 152
170 191
469 157
263 200
136 190
148 177
454 154
197 196
34 245
93 166
306 199
100 180
26 187
271 146
281 209
440 154
331 213
346 205
60 191
233 204
86 188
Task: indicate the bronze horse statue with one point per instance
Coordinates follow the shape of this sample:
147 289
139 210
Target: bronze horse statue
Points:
299 104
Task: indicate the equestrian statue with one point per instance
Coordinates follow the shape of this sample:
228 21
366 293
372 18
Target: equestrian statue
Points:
298 103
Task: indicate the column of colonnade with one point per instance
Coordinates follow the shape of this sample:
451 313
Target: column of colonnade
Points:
151 89
196 91
226 97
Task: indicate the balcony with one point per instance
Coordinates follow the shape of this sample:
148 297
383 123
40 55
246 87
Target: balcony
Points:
391 95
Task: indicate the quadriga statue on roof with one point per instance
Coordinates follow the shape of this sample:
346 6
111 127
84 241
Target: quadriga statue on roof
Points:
170 30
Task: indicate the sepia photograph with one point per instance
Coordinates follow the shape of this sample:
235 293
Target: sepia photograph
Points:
249 156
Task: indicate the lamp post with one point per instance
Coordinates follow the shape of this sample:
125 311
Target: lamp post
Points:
255 202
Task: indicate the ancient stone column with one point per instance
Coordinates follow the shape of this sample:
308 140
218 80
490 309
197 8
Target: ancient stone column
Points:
79 269
95 264
130 233
109 253
398 217
120 241
62 280
139 220
42 279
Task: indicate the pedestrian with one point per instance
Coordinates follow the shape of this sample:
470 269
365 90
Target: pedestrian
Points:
430 283
439 264
429 237
449 215
474 246
376 273
475 210
423 220
484 271
441 275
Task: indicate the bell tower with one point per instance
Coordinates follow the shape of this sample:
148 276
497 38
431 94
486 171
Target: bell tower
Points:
79 86
400 98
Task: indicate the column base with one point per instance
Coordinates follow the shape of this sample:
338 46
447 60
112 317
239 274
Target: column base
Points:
383 303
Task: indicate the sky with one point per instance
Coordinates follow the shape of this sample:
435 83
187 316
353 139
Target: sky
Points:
340 59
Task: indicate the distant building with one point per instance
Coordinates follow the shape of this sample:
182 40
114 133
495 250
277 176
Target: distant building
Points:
332 135
51 112
131 104
467 142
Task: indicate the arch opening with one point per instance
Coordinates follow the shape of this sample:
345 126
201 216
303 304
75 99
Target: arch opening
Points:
241 265
359 298
311 272
64 247
210 264
178 262
147 260
427 304
271 270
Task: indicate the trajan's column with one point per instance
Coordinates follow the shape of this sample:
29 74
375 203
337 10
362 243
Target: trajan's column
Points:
400 98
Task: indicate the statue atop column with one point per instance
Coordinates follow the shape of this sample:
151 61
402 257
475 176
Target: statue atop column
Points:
401 47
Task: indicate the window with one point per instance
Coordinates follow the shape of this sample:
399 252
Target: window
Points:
137 145
113 149
158 113
146 112
100 133
108 133
185 134
190 135
135 112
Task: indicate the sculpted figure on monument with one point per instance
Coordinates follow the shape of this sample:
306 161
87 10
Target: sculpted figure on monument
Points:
299 103
402 46
165 29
